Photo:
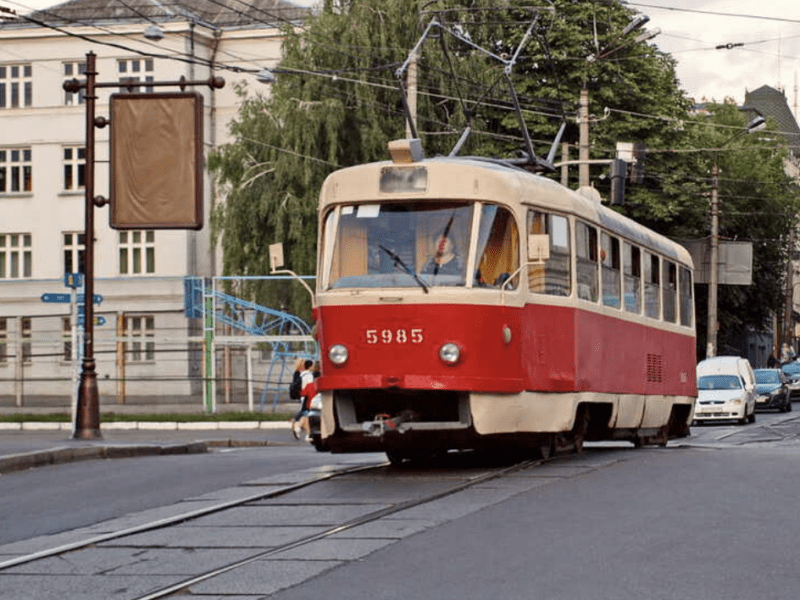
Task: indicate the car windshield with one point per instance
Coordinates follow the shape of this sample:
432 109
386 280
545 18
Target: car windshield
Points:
719 382
768 376
792 368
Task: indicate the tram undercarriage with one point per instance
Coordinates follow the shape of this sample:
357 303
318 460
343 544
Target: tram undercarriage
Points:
407 424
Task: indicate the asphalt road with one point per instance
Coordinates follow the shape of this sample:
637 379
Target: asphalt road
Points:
711 517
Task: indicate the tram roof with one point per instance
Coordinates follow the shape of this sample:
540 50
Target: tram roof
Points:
493 180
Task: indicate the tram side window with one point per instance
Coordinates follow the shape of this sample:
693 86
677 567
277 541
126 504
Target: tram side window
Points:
652 286
498 248
632 278
609 255
670 291
687 300
586 254
551 276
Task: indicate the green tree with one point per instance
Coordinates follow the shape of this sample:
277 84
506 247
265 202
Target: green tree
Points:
758 202
336 103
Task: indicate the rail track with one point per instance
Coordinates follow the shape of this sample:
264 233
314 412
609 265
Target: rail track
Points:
333 515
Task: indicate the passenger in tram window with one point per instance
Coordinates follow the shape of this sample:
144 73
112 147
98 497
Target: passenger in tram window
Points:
444 261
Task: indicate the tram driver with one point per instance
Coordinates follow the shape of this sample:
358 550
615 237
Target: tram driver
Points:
445 260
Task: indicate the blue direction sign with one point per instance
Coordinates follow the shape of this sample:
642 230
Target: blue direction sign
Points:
97 298
59 298
73 280
98 320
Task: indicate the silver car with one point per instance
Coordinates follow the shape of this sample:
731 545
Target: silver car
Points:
792 372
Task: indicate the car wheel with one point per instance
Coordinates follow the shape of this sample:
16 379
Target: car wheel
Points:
789 405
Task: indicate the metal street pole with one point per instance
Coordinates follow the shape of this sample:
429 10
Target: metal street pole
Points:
87 415
713 282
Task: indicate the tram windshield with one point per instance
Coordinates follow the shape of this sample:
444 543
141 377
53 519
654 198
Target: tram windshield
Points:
417 244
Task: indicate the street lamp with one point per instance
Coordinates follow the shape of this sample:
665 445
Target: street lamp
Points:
756 124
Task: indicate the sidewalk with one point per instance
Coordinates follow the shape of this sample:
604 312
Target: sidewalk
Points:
32 444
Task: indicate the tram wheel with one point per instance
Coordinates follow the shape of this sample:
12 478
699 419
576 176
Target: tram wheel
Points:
396 457
580 429
545 449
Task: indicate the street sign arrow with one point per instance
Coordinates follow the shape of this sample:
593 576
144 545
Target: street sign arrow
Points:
59 298
97 298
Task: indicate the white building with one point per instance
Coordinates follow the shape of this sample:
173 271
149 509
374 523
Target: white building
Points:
139 274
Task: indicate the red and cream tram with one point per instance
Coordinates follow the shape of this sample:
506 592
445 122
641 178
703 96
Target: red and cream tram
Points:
464 303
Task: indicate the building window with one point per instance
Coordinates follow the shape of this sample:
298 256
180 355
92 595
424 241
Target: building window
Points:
71 71
16 257
66 335
16 86
74 249
135 70
15 170
137 252
74 168
3 339
27 347
140 329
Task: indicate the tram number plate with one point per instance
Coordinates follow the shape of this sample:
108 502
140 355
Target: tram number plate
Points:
394 336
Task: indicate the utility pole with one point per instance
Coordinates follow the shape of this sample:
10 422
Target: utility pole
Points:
756 124
713 282
583 144
412 93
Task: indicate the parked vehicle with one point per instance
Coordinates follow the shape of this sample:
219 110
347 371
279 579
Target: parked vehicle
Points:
792 372
772 389
725 390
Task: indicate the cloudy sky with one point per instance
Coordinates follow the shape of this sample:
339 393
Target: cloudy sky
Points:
691 30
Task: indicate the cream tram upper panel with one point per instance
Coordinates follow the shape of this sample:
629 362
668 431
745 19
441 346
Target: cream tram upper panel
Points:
473 179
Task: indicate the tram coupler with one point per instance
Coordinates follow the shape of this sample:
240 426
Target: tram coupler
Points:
384 422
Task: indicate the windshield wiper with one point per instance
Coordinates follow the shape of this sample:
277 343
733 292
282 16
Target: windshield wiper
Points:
398 262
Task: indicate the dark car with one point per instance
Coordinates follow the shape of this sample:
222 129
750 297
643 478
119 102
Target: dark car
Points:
792 372
772 390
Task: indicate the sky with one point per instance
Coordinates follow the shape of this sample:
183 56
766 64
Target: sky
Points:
691 30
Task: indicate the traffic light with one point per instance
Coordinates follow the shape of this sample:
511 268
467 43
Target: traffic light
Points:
619 173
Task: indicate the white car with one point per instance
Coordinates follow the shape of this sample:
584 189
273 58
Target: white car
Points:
725 390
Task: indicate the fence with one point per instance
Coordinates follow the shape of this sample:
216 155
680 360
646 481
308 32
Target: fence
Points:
215 350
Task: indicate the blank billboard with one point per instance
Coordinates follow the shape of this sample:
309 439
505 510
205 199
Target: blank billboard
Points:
156 161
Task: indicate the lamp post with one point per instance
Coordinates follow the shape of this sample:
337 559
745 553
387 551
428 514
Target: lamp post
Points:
713 281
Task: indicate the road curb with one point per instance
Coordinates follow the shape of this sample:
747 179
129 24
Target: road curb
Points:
42 458
152 426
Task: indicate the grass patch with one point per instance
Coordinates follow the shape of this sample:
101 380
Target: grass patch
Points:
150 418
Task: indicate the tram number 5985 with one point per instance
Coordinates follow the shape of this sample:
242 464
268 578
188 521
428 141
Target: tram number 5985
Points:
394 336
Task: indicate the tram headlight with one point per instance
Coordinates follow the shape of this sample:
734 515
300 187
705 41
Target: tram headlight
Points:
450 353
338 354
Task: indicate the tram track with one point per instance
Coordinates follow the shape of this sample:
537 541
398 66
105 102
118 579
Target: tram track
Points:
182 586
168 521
367 483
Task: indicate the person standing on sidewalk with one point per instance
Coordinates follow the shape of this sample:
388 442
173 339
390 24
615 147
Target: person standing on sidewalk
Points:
306 377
